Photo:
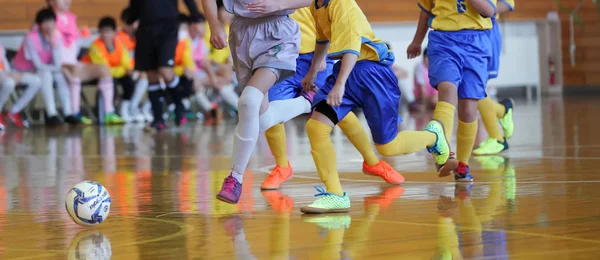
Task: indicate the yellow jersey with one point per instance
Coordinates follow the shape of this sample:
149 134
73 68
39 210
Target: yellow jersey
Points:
345 26
216 55
307 28
456 15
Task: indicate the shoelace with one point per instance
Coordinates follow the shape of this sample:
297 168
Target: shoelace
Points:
229 184
321 191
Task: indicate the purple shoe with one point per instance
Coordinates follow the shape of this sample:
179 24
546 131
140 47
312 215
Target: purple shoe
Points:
309 95
231 190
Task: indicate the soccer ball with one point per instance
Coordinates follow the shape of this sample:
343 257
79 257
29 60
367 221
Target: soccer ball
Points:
88 203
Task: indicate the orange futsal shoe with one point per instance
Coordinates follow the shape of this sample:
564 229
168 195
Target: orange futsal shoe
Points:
277 177
385 171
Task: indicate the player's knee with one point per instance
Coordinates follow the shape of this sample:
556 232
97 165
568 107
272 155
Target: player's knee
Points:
467 110
387 149
250 99
9 84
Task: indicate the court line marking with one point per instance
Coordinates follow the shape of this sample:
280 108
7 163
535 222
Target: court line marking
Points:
184 229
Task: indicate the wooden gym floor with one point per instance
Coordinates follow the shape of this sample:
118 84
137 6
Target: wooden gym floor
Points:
539 200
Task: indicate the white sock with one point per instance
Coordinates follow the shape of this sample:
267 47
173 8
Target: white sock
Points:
247 130
34 84
186 103
8 86
281 111
140 89
229 95
203 101
241 246
62 87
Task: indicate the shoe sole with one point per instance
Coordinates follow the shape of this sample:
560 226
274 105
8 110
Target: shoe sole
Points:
451 164
393 183
311 210
226 200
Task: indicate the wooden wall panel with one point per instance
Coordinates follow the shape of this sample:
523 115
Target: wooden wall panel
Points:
18 15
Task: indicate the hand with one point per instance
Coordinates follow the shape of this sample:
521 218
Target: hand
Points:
413 50
335 96
323 65
188 73
218 37
264 6
308 82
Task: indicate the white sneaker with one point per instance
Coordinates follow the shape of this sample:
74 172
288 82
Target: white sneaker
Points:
124 111
147 112
136 115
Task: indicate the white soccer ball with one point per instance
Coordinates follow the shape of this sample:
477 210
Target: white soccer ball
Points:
88 203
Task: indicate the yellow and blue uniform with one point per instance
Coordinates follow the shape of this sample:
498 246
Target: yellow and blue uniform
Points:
292 86
496 40
459 48
372 84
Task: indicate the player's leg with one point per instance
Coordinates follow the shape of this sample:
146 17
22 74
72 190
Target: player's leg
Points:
87 71
128 86
471 90
381 102
166 60
277 62
34 84
287 89
495 143
319 126
445 73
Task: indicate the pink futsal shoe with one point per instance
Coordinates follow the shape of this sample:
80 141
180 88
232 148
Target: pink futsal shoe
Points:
231 190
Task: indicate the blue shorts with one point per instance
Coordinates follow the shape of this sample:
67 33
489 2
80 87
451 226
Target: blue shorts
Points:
292 86
461 58
373 87
496 40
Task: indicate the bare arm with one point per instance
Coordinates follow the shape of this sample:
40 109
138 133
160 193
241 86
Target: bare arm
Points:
210 12
422 27
319 56
483 7
293 4
348 62
31 53
502 7
269 6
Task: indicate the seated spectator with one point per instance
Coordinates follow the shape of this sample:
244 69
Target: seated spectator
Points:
77 72
40 54
109 51
425 95
8 81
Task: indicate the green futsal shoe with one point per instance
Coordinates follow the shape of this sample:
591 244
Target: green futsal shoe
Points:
491 146
444 159
507 121
327 203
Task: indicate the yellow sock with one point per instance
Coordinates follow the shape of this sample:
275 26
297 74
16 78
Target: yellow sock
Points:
444 112
487 110
276 139
500 110
352 128
407 142
323 154
465 139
